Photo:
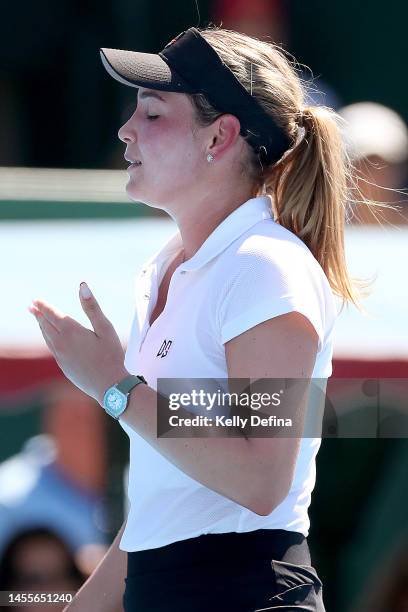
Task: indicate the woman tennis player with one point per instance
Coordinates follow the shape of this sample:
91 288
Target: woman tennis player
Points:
256 181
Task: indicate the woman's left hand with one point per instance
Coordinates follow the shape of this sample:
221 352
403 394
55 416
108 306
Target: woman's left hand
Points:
92 360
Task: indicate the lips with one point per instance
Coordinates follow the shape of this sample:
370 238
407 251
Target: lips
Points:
133 162
134 165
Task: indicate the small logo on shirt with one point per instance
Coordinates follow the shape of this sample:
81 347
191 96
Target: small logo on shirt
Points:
164 349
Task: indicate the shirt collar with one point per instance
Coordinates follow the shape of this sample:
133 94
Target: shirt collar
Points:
237 223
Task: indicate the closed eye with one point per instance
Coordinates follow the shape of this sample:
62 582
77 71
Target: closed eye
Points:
152 117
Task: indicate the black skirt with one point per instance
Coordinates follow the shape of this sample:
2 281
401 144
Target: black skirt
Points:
266 569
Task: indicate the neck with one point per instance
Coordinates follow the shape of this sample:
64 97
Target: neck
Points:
196 225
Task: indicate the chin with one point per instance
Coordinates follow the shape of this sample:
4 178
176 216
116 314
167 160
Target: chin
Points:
137 195
134 193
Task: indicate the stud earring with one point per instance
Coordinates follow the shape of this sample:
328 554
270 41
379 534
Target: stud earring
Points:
210 158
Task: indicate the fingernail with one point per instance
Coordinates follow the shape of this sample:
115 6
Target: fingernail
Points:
85 291
34 312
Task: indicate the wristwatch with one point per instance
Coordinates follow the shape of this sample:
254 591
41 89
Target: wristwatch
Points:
116 398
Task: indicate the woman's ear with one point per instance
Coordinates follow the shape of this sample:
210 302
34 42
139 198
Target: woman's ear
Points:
226 131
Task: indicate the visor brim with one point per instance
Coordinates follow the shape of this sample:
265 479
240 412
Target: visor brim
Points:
137 69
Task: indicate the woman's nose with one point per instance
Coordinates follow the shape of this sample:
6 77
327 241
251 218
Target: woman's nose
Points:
126 133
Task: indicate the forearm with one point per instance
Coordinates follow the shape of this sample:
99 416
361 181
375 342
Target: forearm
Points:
227 465
103 590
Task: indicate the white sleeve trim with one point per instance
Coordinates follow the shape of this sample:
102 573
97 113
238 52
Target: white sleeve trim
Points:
263 311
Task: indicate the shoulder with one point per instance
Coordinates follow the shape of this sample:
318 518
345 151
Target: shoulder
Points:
268 272
269 250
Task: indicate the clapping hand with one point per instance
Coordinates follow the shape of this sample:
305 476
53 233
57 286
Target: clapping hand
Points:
92 360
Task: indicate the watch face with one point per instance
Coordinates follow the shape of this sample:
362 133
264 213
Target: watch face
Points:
114 401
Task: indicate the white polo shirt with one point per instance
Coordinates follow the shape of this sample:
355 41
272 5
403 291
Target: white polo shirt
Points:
247 271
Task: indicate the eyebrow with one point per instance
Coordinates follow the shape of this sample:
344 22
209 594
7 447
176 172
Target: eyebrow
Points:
150 94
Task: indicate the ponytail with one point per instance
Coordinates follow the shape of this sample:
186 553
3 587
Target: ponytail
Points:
313 184
311 187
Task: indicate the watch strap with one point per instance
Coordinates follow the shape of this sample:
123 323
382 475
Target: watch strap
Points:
127 383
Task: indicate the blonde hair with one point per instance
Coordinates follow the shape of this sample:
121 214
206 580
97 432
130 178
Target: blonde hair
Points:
314 181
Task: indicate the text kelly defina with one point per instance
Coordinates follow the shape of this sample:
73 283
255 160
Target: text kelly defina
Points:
235 421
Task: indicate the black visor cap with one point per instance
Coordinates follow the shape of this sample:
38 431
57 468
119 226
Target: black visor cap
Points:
189 64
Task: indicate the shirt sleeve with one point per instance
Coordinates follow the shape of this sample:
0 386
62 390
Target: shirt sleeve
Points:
264 286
